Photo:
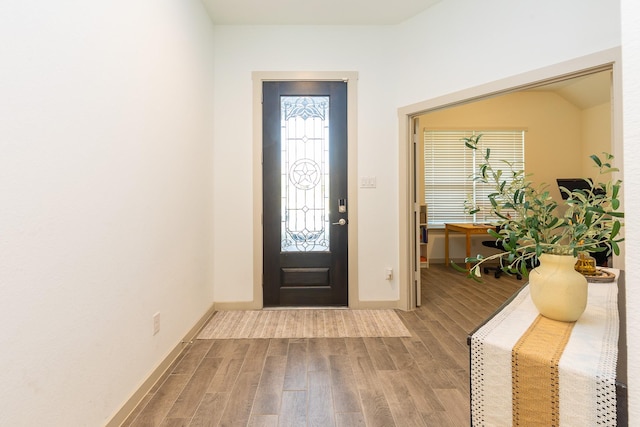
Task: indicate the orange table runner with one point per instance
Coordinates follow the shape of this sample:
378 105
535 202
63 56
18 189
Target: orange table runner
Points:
535 377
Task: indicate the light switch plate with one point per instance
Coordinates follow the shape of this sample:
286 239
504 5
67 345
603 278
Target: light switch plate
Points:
367 182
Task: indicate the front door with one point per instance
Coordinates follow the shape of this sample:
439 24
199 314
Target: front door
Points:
305 218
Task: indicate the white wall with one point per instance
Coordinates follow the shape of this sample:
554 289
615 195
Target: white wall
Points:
105 191
631 120
459 44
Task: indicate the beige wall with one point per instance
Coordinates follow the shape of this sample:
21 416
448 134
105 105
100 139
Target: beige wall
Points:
596 136
558 140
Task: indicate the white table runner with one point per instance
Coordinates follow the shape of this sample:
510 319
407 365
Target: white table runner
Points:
586 368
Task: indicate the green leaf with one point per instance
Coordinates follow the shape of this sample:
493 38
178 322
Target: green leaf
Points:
523 269
508 246
595 209
596 159
615 204
615 229
615 248
458 268
587 219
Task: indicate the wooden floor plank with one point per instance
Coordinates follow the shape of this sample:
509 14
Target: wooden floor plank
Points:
256 354
278 347
455 404
238 409
210 410
399 354
336 346
350 419
402 405
221 348
263 421
356 347
364 373
318 351
295 377
343 383
379 355
137 410
161 401
421 392
294 409
320 412
188 401
175 422
226 376
269 393
194 356
376 408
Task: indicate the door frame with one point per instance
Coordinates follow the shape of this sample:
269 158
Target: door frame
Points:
409 279
351 78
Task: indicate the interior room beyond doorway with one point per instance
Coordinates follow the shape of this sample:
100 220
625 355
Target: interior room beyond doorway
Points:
564 122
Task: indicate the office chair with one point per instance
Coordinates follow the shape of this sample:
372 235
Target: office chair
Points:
495 244
602 259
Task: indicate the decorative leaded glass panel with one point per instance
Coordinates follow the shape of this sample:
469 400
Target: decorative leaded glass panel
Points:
305 173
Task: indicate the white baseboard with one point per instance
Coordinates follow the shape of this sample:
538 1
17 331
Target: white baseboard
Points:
237 305
376 305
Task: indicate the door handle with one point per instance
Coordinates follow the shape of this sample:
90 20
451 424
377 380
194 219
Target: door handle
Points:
341 221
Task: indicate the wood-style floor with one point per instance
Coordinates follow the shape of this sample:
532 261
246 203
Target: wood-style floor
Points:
418 381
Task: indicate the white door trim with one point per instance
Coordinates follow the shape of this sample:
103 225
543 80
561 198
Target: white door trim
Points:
352 162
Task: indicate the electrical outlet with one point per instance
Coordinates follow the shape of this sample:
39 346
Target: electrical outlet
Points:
156 323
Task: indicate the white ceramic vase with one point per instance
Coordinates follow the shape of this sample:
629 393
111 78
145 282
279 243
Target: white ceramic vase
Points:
558 291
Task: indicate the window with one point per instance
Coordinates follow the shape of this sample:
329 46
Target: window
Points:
449 165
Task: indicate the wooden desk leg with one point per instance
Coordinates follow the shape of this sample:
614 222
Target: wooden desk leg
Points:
468 248
446 246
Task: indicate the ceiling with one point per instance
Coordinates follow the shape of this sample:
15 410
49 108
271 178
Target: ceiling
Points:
583 92
307 12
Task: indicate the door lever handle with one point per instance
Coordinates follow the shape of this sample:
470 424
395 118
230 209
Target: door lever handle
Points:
341 221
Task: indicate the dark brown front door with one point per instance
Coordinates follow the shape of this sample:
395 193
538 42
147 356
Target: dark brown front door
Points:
305 210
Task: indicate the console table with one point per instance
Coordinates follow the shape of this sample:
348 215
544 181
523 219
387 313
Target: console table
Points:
528 370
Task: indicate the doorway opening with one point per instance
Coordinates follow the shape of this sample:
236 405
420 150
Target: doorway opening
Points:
410 197
350 79
305 215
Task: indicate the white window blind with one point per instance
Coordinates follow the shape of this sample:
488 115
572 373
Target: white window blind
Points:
449 166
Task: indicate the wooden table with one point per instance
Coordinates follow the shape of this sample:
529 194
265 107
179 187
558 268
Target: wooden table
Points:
468 230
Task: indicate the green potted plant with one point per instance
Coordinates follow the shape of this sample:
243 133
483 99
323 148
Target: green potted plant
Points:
533 228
